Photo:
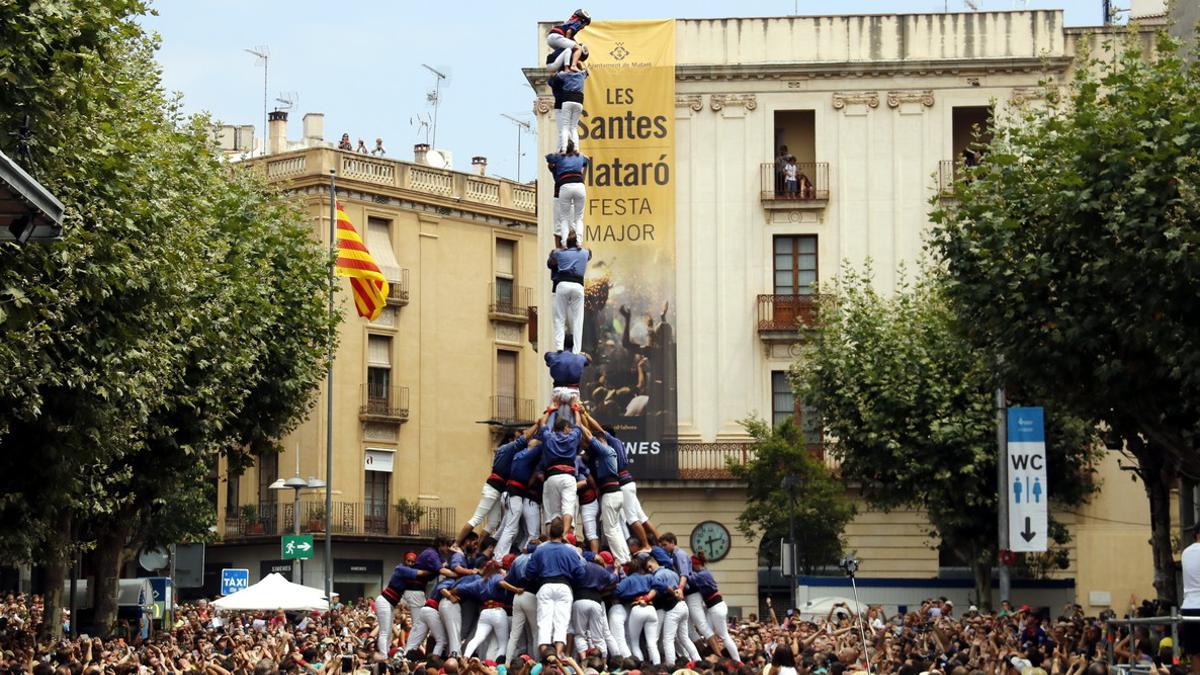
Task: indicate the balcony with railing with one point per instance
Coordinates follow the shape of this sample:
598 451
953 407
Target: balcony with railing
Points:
347 518
511 411
783 317
710 461
401 176
383 404
810 192
509 303
397 285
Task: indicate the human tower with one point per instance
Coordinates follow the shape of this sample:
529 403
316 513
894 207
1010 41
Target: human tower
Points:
519 579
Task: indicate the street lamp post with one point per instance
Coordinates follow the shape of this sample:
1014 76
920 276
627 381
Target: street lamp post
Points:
296 484
789 485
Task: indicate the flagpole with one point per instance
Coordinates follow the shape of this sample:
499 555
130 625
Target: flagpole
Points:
329 394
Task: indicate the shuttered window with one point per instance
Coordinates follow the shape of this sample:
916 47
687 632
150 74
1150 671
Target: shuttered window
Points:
379 243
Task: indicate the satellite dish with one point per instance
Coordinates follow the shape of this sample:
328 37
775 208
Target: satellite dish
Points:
439 159
153 559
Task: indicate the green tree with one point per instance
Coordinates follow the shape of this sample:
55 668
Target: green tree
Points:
910 404
821 506
1074 252
182 314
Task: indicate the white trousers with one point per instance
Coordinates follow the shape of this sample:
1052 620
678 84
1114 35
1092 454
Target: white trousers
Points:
644 620
553 613
493 623
451 614
559 496
618 616
383 616
488 509
698 615
591 629
718 616
612 507
633 505
426 622
588 514
568 209
568 125
516 509
568 309
414 600
558 41
673 626
523 630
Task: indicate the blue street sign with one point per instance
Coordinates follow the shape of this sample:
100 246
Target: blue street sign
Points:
234 580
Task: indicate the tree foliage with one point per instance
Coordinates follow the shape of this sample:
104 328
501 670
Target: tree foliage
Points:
1073 252
822 509
910 405
181 316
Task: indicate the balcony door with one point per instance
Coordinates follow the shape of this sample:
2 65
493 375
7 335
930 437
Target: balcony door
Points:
379 373
795 276
377 494
506 384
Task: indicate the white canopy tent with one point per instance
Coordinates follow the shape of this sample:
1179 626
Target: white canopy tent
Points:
274 592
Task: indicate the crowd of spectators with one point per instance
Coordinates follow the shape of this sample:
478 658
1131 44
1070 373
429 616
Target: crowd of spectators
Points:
933 638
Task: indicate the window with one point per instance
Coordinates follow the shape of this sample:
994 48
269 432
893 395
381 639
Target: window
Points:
268 472
375 503
784 406
379 242
505 273
795 264
506 384
232 483
379 371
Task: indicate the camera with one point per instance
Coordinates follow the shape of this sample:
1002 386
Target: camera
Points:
849 565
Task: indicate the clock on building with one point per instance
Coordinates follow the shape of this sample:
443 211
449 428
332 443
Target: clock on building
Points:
712 538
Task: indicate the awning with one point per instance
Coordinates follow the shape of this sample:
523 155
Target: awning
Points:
28 212
274 592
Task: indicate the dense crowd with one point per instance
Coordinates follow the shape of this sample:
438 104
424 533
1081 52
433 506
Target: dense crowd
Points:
931 639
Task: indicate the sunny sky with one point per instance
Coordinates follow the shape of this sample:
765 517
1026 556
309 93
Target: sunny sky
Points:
359 62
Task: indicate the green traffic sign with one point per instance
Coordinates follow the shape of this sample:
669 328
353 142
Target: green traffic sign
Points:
296 547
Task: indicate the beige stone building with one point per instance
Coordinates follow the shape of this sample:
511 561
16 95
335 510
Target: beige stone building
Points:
877 110
419 393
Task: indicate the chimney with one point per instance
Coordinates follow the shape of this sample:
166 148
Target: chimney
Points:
420 153
480 165
277 132
314 128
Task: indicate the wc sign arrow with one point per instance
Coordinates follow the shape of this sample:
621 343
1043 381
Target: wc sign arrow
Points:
1027 489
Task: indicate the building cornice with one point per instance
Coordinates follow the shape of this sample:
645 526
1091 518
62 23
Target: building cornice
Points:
365 192
797 71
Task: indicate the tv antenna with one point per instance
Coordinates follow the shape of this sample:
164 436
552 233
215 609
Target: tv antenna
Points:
263 54
422 125
434 97
522 126
287 100
973 5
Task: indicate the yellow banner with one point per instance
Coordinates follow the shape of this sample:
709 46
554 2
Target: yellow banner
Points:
628 132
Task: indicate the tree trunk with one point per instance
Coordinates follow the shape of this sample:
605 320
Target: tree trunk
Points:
109 556
57 557
1158 478
981 568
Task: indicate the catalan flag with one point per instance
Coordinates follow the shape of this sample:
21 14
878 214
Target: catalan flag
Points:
354 260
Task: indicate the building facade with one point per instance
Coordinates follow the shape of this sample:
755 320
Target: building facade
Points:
421 393
877 111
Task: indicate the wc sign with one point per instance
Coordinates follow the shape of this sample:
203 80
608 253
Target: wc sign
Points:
1026 483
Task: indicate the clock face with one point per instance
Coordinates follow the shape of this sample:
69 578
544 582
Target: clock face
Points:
712 538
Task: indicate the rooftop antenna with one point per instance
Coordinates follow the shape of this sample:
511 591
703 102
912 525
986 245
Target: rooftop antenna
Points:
522 125
434 97
264 57
422 125
972 4
287 100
